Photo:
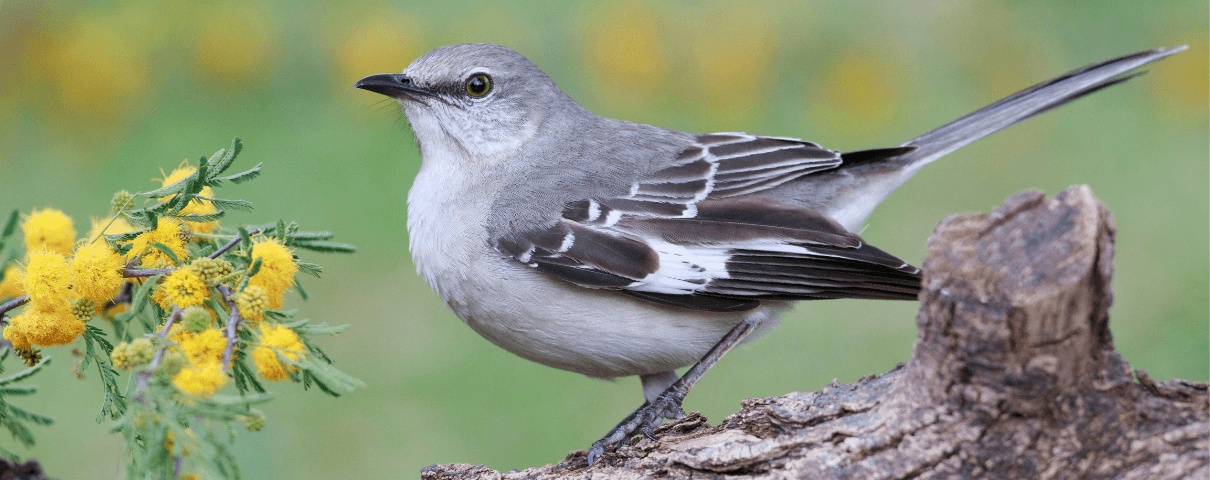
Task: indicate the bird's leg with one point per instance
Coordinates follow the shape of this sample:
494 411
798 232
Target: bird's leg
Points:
668 404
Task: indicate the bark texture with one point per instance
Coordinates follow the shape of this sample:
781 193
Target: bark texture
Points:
1013 375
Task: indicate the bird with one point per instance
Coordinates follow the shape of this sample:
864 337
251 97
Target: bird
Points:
613 249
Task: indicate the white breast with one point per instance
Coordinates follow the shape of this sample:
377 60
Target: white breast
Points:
598 333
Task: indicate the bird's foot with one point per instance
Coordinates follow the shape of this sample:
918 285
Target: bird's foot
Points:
641 421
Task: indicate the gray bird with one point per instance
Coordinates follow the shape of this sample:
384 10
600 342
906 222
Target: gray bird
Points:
611 248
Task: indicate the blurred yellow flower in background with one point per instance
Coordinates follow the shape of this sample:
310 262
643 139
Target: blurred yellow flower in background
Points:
734 59
236 45
1183 85
858 94
95 70
49 230
383 43
625 54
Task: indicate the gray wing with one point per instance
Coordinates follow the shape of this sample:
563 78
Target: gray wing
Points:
698 235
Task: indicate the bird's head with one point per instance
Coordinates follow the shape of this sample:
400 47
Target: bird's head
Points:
485 99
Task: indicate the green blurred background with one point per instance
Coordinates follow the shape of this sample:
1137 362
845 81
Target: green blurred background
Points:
99 96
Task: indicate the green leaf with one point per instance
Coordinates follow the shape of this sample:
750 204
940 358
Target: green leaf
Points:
26 415
279 230
228 156
167 190
324 246
202 217
226 204
10 226
24 374
243 176
312 235
321 329
18 390
167 251
98 335
139 300
302 292
310 269
283 314
254 269
245 240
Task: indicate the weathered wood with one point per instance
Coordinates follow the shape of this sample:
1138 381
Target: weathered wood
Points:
1013 375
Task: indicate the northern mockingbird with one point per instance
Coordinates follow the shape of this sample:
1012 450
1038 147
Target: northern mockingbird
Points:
612 248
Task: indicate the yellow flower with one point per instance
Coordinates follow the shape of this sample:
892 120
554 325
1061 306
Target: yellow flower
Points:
277 269
15 336
9 286
205 347
49 229
97 272
167 232
201 380
252 303
184 289
276 339
47 277
195 207
119 225
48 326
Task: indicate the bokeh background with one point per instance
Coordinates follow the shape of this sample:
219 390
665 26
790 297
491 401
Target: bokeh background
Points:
99 96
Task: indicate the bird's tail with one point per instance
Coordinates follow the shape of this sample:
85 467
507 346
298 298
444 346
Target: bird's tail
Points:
1025 104
865 178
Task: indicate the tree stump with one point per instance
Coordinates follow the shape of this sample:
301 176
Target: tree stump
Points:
1013 375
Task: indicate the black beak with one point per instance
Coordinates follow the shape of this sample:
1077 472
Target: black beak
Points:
394 85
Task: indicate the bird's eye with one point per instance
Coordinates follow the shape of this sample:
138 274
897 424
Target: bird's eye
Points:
478 85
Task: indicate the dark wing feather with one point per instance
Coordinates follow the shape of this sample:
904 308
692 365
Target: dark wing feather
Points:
693 236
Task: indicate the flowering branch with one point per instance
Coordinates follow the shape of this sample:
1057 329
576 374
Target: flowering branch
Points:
131 272
14 303
159 354
234 241
232 325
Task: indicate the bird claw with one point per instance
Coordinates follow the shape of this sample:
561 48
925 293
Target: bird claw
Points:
642 421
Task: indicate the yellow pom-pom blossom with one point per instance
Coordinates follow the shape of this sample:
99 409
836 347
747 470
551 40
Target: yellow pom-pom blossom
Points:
119 225
47 278
196 207
9 286
16 337
205 347
276 339
97 272
277 269
167 232
184 289
49 229
252 303
48 327
201 380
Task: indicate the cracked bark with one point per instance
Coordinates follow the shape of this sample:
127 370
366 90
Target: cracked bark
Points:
1013 375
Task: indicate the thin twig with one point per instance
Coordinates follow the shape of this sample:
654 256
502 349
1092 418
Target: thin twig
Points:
131 272
234 241
232 326
159 354
14 303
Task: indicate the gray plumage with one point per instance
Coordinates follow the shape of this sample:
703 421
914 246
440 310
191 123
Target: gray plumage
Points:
613 248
